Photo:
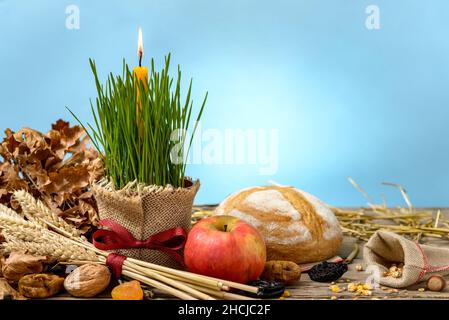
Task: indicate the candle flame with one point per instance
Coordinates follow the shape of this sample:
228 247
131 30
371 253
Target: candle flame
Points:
140 44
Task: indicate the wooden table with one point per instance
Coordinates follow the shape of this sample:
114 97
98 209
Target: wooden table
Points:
306 289
309 290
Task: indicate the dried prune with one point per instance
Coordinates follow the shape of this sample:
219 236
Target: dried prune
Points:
267 289
327 271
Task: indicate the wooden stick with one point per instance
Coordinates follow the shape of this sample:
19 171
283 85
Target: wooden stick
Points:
180 274
222 294
158 285
218 282
176 284
191 281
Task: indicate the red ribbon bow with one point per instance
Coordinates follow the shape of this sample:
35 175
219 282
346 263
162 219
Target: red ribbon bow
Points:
118 237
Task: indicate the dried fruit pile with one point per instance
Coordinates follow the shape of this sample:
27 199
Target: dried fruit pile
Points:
57 167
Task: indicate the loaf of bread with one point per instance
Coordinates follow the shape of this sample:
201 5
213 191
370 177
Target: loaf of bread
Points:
296 226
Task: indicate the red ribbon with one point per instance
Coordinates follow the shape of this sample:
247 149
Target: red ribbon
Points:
118 237
115 262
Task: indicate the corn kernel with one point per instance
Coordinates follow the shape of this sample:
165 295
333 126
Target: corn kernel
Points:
335 288
352 287
367 292
367 286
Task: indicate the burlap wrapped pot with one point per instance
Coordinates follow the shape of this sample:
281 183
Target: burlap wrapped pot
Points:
145 211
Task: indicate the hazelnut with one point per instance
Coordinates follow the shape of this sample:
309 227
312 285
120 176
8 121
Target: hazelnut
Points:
436 283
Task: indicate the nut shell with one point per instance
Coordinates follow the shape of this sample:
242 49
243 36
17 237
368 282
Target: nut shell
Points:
87 280
19 264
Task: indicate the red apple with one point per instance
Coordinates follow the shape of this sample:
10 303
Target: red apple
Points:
225 247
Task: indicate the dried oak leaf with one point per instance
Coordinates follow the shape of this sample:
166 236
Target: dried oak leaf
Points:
58 167
67 179
70 136
32 143
10 178
88 207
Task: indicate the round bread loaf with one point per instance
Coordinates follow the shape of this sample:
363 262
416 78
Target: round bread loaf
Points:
296 226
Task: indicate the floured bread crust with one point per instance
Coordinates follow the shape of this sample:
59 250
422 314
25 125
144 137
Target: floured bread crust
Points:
296 225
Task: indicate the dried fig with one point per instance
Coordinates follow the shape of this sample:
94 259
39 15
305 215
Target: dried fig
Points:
283 271
88 280
40 285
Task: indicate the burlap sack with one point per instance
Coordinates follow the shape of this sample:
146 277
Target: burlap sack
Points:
145 211
420 261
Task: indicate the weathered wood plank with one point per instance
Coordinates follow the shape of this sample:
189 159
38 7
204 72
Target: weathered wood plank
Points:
307 289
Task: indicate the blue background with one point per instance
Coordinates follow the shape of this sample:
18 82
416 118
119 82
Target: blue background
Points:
348 101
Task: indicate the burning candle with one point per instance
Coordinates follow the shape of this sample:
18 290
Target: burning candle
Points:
141 73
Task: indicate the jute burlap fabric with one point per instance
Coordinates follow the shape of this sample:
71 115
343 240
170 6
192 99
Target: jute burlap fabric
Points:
420 261
145 211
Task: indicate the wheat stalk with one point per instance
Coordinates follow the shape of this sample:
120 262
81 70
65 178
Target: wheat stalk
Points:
37 210
7 220
16 227
22 234
9 212
54 249
13 214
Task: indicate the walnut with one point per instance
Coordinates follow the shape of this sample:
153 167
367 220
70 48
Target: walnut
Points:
19 264
40 285
283 271
88 280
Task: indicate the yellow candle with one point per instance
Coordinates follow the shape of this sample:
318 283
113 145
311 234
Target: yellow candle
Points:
140 73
